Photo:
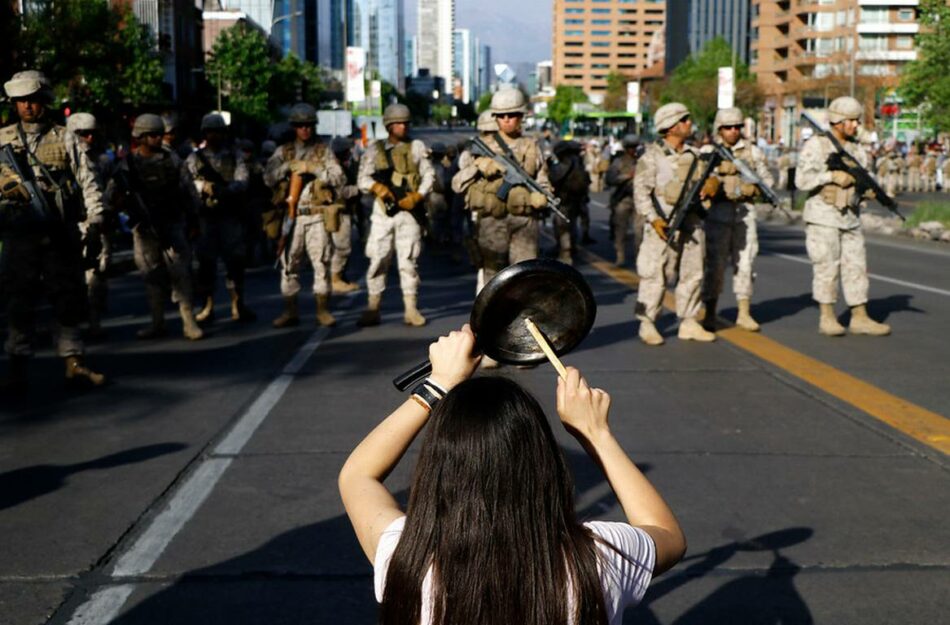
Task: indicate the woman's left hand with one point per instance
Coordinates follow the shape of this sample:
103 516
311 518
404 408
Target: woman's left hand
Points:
453 358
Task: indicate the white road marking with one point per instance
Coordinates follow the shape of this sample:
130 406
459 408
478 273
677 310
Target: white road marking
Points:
104 605
912 285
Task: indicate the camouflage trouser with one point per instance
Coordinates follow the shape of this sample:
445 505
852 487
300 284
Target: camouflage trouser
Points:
730 244
913 181
620 217
782 184
506 240
401 235
658 264
29 265
584 216
165 269
311 239
97 286
891 183
220 238
342 244
833 252
929 183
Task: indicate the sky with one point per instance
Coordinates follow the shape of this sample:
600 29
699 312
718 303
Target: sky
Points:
518 31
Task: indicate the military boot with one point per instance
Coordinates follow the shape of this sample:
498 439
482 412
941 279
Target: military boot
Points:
156 307
239 311
370 316
290 317
862 324
744 319
324 318
412 316
16 383
340 286
206 314
649 334
690 330
78 374
828 322
709 318
189 325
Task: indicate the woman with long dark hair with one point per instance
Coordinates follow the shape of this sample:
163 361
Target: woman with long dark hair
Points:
490 536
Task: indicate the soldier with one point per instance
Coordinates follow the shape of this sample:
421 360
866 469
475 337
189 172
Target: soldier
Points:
620 177
833 234
913 169
83 125
397 163
315 183
342 238
928 169
731 236
437 206
659 179
160 225
946 173
571 182
507 230
783 164
43 251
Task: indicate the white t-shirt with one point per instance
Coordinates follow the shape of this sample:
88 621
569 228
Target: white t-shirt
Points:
624 576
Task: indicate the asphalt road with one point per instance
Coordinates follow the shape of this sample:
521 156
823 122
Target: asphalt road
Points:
200 487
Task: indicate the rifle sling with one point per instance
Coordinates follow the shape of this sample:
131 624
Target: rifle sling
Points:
32 156
504 146
215 176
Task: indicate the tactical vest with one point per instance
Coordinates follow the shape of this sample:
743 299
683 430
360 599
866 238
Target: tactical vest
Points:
482 194
729 177
839 197
671 176
51 151
404 168
159 178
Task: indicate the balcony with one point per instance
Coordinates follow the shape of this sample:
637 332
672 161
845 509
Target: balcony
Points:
889 3
889 29
886 55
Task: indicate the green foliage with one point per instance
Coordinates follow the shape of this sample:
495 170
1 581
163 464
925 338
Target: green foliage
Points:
484 102
97 57
562 104
296 80
926 82
441 112
929 211
616 97
695 83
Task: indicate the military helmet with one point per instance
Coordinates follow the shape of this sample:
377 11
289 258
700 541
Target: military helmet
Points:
844 108
147 123
78 122
728 117
213 121
396 114
509 100
268 147
567 147
669 115
339 145
486 122
302 113
25 84
171 123
437 149
630 141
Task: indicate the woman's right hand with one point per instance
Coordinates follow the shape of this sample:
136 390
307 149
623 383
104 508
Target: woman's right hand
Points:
583 410
453 358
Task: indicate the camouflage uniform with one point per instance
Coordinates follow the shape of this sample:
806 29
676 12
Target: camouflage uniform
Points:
571 182
929 173
343 237
946 174
913 162
889 172
622 211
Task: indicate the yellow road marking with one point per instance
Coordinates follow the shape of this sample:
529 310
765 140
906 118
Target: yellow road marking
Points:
919 423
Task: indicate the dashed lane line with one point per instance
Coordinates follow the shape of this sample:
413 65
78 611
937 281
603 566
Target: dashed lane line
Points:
928 427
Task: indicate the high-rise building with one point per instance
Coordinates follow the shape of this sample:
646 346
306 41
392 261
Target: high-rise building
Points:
486 75
805 52
434 32
593 38
465 65
377 27
411 66
690 24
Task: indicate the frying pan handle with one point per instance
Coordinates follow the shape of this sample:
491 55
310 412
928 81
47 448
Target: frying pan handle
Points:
410 377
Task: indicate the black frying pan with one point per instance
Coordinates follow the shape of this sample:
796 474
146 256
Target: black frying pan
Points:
553 295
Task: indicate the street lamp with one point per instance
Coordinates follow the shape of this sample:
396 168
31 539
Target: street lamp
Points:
293 32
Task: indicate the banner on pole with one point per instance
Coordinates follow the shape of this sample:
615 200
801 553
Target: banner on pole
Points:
355 74
633 97
727 88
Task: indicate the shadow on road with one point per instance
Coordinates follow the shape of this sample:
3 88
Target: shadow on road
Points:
24 484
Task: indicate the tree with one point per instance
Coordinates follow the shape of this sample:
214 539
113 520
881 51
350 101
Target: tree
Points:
616 97
484 102
695 83
926 82
295 80
240 63
562 104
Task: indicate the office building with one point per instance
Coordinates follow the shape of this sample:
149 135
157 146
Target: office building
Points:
690 24
434 33
377 27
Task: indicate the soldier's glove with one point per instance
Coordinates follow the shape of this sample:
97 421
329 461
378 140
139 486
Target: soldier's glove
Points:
747 189
350 191
842 178
660 226
410 201
488 167
710 188
728 168
382 192
537 200
303 167
12 189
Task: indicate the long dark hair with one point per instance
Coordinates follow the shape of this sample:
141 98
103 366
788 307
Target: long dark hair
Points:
491 512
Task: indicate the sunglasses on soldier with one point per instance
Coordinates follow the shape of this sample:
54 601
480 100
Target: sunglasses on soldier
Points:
507 115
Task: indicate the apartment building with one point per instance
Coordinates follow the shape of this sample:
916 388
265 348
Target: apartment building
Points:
434 36
592 38
806 52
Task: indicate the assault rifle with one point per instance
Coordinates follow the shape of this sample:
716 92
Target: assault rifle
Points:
127 181
841 160
391 204
748 175
516 175
19 166
689 194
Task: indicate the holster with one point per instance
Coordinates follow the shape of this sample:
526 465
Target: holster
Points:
331 217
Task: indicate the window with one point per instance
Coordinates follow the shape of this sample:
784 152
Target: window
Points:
574 11
822 22
600 22
842 18
600 44
905 15
874 69
600 55
600 66
600 10
574 55
600 33
574 65
875 15
573 44
573 22
573 33
574 76
872 43
904 42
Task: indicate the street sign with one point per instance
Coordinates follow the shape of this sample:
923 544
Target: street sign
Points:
633 97
727 88
355 74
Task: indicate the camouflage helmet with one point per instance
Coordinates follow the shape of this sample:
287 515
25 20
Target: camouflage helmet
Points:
396 114
844 108
213 121
147 123
302 113
339 145
486 122
437 148
25 84
669 115
78 122
630 141
728 117
509 100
